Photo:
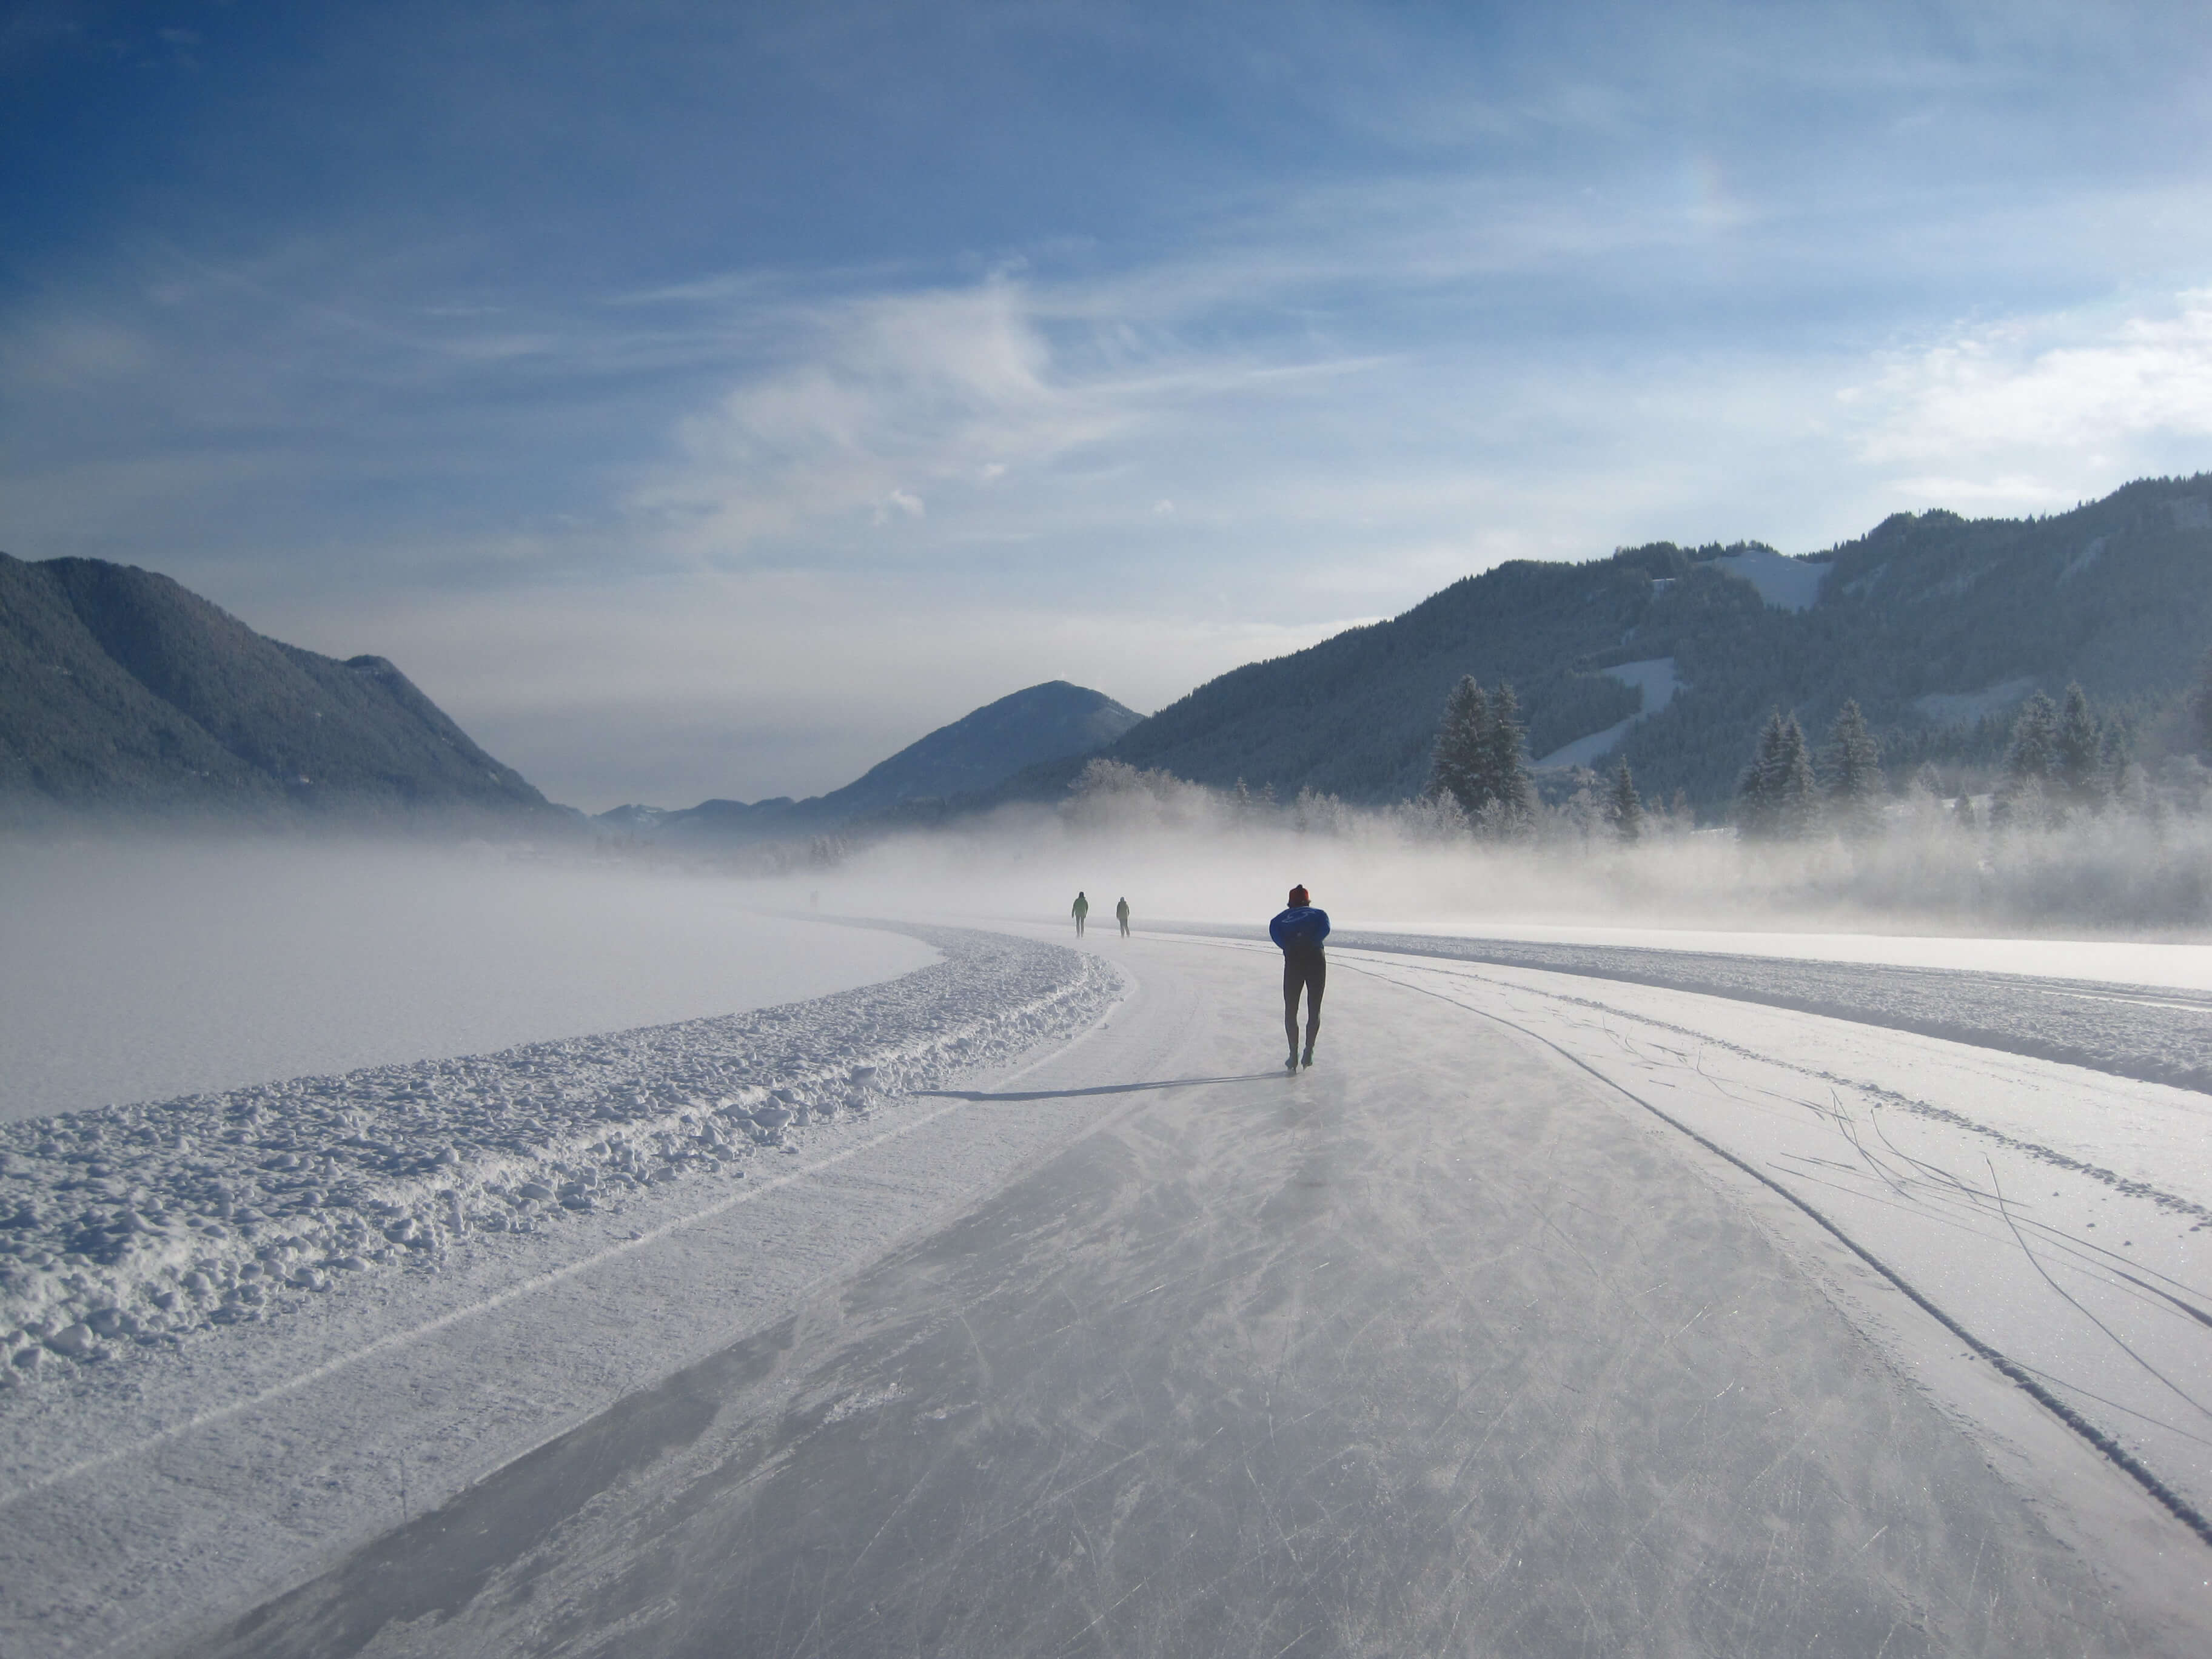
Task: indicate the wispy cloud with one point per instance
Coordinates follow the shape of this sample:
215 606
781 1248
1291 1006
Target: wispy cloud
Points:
2032 412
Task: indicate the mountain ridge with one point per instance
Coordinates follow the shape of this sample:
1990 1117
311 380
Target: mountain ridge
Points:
1923 608
961 760
123 690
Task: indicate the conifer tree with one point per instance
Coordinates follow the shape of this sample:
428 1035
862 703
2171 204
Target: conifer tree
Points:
1624 808
1797 797
2033 752
1755 795
2115 762
1854 772
1462 751
2030 760
2200 709
2077 747
1777 799
1507 774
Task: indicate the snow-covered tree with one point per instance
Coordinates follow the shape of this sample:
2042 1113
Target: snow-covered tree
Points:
1853 765
1777 799
1507 774
2077 749
2029 766
1459 768
1624 807
2200 708
2116 764
2033 751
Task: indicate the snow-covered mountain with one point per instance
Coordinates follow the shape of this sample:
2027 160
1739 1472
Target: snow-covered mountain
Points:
1937 625
121 691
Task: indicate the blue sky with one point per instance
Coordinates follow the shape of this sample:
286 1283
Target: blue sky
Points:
706 399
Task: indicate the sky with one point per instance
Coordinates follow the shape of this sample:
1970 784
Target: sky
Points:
707 399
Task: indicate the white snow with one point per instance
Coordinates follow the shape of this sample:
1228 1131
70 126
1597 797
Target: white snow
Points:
138 972
1583 751
2058 1217
238 1326
235 1325
1787 584
2115 962
1655 679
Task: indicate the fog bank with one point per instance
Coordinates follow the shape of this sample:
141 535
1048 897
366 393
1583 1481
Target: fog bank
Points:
138 970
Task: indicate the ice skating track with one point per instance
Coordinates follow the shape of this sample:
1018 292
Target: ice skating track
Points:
1443 1347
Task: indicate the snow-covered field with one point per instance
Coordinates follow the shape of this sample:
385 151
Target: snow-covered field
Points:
142 971
216 1310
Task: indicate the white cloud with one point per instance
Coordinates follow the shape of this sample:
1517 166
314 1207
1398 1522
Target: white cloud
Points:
889 392
2040 410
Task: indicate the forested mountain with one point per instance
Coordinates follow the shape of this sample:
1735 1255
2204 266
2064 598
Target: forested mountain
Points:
968 758
122 691
1937 625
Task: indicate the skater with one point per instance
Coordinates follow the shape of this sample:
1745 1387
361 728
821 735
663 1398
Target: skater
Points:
1079 910
1300 930
1122 915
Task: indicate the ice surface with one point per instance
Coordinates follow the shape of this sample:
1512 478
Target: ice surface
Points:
2059 1219
142 971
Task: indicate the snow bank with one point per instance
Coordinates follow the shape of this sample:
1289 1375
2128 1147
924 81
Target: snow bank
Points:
130 1230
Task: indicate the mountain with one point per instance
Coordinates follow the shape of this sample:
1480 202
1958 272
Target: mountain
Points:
983 748
967 759
1671 657
121 691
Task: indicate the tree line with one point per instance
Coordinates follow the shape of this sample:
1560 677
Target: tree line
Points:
2062 760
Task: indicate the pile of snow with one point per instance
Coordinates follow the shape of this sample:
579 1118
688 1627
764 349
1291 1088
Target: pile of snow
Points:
140 1226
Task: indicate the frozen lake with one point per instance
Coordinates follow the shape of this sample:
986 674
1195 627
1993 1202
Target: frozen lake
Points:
138 972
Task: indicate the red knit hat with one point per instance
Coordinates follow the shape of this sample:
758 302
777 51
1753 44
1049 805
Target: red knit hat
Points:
1299 896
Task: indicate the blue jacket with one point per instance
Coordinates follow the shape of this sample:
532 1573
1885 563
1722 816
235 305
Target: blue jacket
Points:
1302 929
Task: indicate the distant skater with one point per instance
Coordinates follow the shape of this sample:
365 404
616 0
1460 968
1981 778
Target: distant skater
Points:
1121 914
1079 910
1300 930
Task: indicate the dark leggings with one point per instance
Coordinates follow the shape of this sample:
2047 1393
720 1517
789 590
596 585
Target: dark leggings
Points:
1308 969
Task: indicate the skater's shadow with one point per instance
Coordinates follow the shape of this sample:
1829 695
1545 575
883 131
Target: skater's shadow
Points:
1101 1089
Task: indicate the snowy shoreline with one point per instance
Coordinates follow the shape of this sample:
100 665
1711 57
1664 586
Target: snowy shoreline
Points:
129 1229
